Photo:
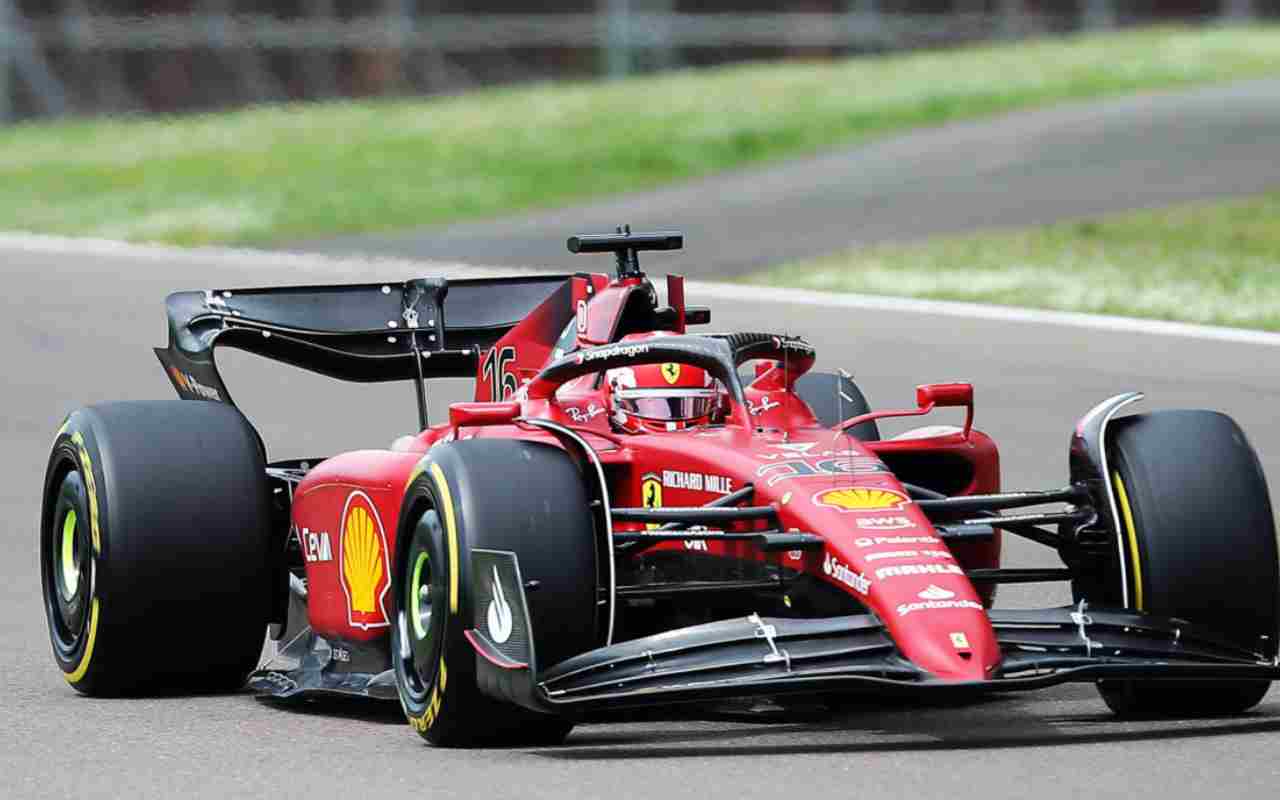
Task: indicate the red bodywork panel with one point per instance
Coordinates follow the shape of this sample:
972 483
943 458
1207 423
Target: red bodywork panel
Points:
345 513
881 549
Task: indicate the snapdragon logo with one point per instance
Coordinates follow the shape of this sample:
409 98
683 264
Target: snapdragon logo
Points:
624 350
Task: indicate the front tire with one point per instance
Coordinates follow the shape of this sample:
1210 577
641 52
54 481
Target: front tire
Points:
492 494
833 398
1199 543
154 548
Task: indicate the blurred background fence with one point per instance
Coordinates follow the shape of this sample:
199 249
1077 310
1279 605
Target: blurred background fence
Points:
60 57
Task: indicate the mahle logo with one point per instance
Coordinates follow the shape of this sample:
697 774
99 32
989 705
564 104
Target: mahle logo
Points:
362 550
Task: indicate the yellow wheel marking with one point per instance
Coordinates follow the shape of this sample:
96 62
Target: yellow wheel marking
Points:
424 722
70 573
452 530
1132 533
417 470
87 658
91 487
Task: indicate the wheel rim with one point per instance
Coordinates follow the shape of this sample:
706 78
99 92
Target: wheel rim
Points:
69 574
418 625
69 568
420 597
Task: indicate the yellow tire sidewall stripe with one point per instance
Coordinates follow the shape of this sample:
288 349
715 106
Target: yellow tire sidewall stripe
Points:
451 530
87 658
91 488
1131 533
427 719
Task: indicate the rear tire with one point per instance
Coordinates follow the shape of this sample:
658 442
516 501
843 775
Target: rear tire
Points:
154 548
495 494
1199 543
834 398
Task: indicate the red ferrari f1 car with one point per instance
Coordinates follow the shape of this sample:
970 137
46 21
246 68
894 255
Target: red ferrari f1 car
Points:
629 515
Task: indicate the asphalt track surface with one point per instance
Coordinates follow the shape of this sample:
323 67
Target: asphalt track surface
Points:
78 328
1063 162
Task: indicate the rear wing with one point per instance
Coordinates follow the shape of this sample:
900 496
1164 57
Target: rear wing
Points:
411 330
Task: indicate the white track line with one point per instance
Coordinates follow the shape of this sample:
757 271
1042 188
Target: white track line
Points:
232 257
106 248
946 308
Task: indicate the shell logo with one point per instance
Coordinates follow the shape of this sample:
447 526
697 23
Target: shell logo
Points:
362 551
860 499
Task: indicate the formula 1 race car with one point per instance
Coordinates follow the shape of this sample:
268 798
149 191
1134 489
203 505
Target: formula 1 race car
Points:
629 515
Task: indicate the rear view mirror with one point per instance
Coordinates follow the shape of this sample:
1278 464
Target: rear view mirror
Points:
945 395
940 395
461 414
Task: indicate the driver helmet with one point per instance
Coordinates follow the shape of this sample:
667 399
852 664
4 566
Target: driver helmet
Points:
661 397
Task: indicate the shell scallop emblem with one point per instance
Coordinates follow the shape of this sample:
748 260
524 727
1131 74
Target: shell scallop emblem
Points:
860 499
364 565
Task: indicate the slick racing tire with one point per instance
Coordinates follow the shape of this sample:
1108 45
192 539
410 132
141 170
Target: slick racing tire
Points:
834 398
1199 543
154 548
488 494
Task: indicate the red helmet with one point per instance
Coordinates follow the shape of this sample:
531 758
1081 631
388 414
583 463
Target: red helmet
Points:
661 397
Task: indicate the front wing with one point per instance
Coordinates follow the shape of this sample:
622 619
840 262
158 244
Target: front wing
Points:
751 656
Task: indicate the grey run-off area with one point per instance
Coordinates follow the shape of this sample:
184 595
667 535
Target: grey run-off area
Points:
78 328
1028 168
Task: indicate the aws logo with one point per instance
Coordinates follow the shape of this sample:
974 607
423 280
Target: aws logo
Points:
362 551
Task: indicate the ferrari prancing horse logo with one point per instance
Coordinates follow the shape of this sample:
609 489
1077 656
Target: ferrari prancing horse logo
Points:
670 372
651 494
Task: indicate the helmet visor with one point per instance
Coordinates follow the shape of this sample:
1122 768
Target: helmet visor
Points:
667 405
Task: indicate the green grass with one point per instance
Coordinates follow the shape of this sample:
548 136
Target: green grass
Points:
1208 263
292 172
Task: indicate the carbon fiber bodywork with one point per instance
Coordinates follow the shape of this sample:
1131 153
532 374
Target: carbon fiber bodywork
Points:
426 327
